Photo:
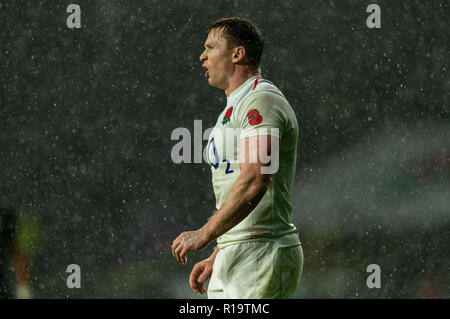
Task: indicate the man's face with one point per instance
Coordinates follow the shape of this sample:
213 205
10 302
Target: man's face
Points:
217 60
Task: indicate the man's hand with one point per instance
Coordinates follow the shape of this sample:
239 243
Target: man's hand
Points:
200 273
186 242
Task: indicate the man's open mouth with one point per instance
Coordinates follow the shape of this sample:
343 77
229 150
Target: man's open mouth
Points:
206 71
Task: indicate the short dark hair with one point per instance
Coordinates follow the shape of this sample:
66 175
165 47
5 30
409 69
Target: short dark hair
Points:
242 32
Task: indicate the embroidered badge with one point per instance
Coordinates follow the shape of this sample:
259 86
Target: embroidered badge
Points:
227 116
254 118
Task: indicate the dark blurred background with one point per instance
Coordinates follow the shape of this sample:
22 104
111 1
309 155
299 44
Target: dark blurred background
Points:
85 129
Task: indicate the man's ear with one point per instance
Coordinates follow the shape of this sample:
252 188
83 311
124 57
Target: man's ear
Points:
238 54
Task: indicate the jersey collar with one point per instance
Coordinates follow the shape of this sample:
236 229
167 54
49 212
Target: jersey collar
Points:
246 86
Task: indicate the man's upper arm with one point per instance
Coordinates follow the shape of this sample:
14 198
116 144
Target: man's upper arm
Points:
255 159
262 119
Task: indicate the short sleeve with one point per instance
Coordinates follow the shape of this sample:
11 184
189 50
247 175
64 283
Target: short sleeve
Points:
262 113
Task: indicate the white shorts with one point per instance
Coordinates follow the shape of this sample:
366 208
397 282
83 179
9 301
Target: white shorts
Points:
256 269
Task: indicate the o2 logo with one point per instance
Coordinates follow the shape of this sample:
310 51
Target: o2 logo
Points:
217 159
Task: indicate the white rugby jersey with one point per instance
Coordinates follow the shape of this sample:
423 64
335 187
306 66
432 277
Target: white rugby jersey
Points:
257 107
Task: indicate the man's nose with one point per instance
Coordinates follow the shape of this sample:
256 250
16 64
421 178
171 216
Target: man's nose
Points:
202 57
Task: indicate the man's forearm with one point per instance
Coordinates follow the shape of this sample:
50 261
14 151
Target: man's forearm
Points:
243 197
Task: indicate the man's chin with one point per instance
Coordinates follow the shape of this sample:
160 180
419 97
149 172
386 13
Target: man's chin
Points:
213 83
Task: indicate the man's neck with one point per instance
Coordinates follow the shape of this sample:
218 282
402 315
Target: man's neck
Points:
237 80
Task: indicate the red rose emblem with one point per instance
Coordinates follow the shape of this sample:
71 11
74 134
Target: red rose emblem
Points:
254 118
226 118
228 113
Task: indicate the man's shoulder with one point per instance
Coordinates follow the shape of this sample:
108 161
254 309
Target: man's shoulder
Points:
266 95
262 89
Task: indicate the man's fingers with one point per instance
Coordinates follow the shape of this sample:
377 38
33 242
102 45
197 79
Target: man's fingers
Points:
198 276
176 247
177 253
183 253
175 244
184 243
194 276
204 276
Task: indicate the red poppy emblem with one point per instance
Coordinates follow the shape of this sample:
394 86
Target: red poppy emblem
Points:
254 118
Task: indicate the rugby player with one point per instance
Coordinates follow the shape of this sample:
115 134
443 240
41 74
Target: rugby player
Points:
258 252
